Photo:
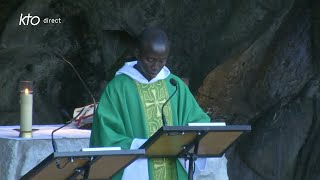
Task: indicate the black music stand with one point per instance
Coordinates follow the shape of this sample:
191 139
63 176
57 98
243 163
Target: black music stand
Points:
191 142
83 165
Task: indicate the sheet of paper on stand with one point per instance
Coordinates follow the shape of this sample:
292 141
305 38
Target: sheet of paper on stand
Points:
208 124
101 149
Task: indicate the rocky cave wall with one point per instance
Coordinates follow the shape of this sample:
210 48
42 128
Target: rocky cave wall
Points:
249 62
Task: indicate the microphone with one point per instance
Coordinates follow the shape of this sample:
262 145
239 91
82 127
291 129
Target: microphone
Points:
174 83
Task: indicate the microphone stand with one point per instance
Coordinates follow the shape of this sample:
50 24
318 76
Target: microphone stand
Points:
54 144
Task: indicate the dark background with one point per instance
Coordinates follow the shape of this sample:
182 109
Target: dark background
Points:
249 62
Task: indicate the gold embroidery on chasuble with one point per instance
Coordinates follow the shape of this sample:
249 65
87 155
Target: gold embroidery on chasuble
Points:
153 96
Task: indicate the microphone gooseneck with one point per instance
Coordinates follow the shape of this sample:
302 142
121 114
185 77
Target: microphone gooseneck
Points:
64 113
174 83
54 144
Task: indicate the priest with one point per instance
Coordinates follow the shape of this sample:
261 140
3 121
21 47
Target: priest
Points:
129 110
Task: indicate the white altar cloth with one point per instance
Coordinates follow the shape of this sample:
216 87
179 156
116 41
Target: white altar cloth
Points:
19 155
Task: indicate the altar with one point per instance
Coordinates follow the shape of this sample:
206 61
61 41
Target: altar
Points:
19 155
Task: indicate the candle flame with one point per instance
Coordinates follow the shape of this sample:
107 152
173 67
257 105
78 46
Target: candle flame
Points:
26 91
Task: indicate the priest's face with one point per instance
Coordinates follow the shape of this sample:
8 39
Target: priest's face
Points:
152 59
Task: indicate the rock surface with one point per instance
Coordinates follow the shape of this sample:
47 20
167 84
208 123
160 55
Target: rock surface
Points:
273 84
252 62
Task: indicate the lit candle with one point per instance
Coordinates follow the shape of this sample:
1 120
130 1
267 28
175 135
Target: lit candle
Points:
26 102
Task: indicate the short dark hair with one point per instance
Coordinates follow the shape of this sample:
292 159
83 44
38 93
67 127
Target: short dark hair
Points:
152 34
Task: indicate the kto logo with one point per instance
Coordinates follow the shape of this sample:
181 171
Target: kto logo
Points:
25 20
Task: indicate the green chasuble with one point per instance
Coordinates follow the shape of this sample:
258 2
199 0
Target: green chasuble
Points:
128 109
